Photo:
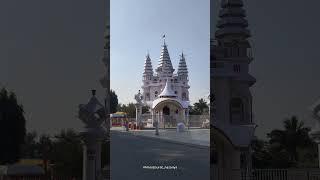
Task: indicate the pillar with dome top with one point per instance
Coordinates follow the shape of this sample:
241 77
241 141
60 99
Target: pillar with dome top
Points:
92 114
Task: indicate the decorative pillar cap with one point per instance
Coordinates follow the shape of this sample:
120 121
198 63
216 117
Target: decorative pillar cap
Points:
93 91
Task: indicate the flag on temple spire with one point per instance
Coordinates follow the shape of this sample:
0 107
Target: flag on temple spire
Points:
164 39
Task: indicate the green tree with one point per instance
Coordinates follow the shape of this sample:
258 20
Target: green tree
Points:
45 149
264 157
130 109
66 154
199 108
285 148
113 102
293 136
212 103
12 127
29 148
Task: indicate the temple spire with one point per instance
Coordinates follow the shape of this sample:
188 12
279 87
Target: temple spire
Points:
182 68
165 67
148 70
232 20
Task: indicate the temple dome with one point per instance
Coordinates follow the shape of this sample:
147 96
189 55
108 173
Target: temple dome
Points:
167 92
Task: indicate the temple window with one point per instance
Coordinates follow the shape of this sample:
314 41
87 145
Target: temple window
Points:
236 110
184 96
236 68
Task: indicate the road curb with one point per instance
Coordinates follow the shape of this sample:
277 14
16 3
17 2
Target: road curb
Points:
164 140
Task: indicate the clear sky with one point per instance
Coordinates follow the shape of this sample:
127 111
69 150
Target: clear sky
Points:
137 27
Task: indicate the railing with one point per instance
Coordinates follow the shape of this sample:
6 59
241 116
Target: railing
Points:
272 174
199 121
171 121
284 174
265 174
223 174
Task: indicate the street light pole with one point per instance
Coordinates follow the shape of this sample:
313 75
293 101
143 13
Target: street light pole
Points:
157 127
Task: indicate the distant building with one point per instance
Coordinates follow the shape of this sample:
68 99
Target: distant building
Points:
166 91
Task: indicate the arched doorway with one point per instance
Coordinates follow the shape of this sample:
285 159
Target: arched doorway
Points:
166 110
170 113
166 116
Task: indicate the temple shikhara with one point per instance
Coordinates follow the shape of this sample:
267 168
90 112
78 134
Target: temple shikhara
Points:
166 90
232 121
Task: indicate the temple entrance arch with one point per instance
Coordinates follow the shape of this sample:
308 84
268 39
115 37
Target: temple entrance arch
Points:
166 110
170 112
166 118
224 158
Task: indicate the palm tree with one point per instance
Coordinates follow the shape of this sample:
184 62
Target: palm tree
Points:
200 107
293 136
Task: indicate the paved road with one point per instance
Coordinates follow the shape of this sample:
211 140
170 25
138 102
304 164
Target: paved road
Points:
193 136
130 153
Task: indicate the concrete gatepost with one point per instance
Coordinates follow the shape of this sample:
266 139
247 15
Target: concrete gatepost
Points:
91 157
138 97
138 113
92 115
315 132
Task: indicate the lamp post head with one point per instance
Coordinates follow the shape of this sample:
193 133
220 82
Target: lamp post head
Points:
93 113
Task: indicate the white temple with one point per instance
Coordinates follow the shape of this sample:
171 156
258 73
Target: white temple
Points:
165 92
232 121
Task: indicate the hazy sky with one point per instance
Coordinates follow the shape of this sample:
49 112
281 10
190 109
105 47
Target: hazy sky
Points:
50 53
50 56
137 27
287 59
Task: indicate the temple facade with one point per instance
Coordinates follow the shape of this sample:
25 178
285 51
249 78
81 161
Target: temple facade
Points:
232 120
166 91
